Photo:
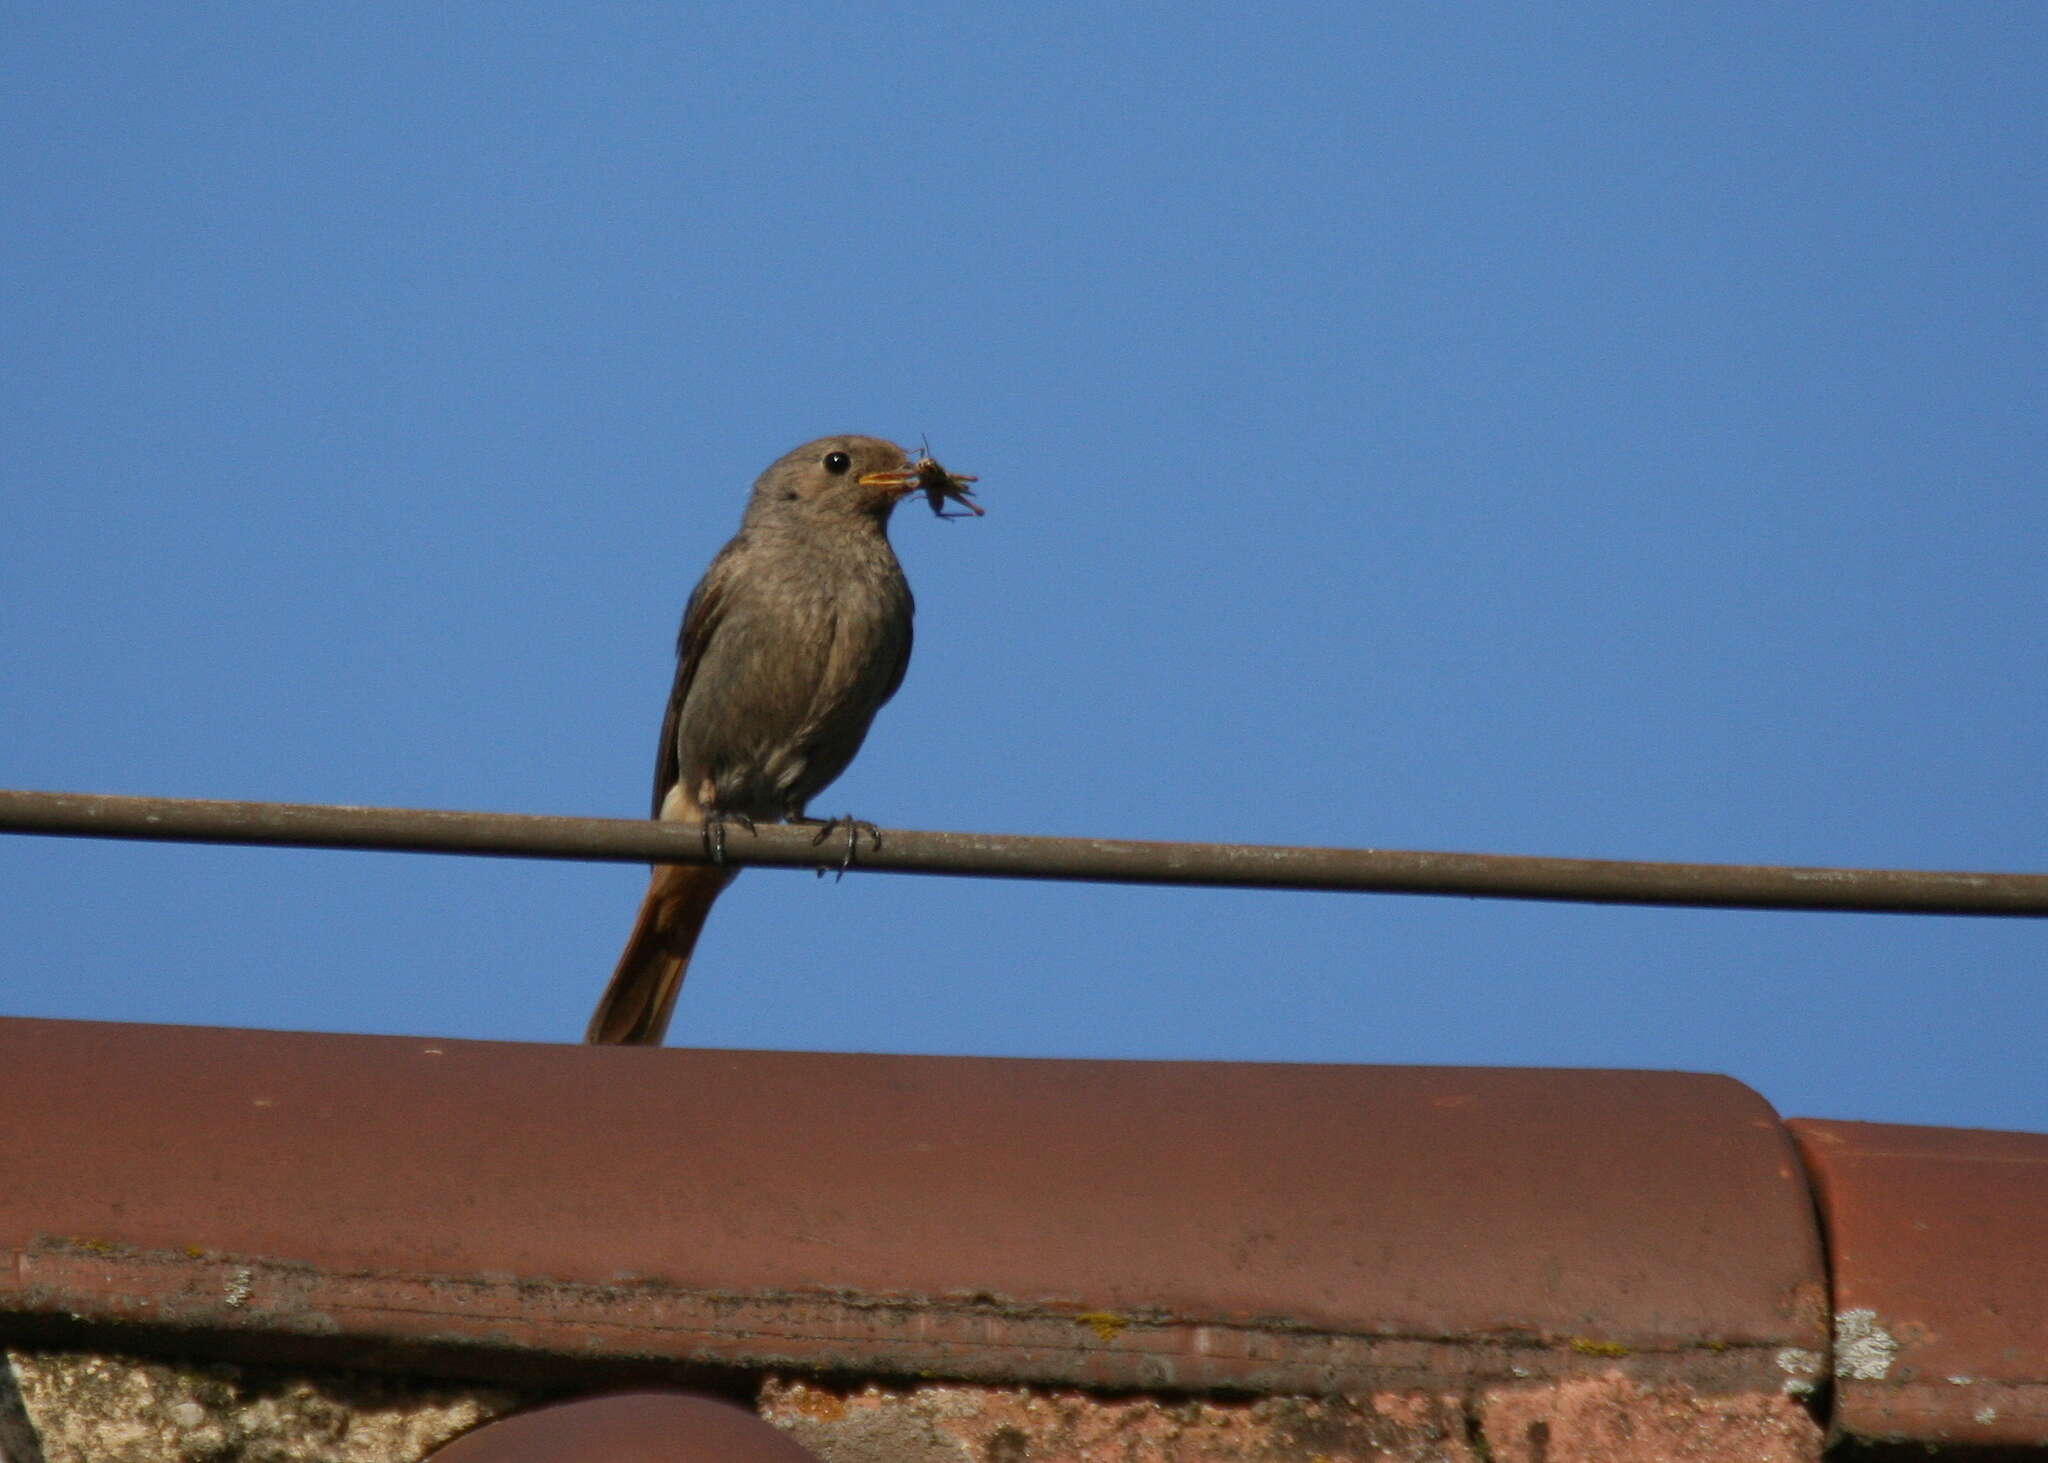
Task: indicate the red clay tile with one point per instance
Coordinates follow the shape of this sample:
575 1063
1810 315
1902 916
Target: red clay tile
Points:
1170 1225
1938 1239
638 1427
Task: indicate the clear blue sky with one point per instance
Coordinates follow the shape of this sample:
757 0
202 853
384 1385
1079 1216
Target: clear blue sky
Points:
1598 430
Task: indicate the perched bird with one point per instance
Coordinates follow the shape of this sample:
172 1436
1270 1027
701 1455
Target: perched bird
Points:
791 642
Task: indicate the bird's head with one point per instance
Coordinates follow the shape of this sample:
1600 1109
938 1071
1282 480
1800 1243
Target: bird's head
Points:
863 476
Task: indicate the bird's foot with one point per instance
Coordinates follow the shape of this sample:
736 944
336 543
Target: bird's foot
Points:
854 827
714 833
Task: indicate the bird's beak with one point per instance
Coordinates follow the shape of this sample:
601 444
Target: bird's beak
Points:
898 480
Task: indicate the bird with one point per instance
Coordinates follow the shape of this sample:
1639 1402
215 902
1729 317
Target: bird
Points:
798 633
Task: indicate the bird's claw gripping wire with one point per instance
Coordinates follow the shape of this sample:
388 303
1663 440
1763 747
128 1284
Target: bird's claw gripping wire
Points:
854 827
714 833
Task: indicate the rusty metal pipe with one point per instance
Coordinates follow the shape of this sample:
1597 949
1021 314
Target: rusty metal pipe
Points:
1013 856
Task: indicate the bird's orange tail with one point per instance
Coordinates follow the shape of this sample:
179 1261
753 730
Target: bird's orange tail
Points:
635 1007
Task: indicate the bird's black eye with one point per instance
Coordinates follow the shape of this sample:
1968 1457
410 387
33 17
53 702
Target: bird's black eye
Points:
837 463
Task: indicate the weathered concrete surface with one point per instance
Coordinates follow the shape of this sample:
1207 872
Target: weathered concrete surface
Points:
1613 1420
75 1407
963 1424
83 1407
1592 1420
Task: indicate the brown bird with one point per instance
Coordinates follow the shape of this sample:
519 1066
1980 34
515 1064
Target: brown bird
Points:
795 637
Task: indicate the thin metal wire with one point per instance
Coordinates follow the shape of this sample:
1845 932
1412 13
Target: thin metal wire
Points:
1011 856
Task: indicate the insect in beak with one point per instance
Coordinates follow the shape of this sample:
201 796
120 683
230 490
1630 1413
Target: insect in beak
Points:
940 486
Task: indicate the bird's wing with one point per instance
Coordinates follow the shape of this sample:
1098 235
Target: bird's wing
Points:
701 618
895 681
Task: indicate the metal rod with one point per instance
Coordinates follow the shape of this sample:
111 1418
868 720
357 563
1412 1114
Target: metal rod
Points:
1011 856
